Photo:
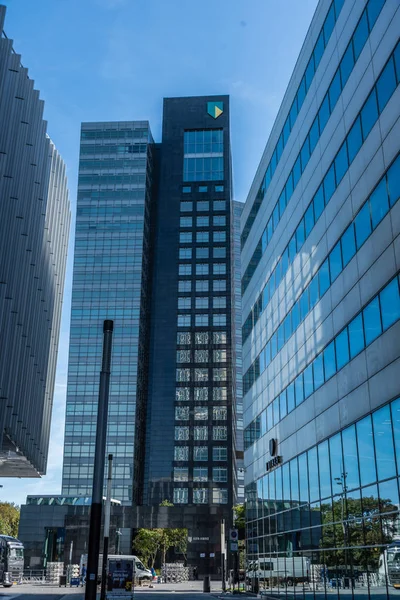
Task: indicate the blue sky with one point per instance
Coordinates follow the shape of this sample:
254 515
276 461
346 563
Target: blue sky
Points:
107 60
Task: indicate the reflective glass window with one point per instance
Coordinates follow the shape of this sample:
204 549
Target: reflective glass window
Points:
295 316
309 219
324 278
369 113
335 89
310 70
350 477
286 484
390 304
360 35
329 23
313 474
324 113
356 336
372 321
389 496
348 243
386 85
296 171
318 370
294 480
319 202
365 441
329 183
304 304
324 469
354 139
336 461
303 477
283 405
379 203
314 134
290 397
329 360
395 409
393 178
384 443
299 387
335 262
305 153
300 235
347 64
373 9
363 225
341 163
313 291
275 411
319 49
342 349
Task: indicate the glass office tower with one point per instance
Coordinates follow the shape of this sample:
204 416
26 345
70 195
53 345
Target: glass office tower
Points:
321 310
111 281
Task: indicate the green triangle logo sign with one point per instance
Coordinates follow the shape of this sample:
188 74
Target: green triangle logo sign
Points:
215 109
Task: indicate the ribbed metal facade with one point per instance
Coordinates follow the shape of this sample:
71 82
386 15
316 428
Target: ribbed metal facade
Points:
34 229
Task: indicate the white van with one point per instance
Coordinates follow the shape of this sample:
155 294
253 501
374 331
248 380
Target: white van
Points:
287 570
121 566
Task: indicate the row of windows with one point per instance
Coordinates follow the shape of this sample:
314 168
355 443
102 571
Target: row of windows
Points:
200 496
203 206
203 269
116 228
201 356
185 302
187 189
360 455
200 433
386 193
203 252
203 169
186 375
200 413
113 149
185 338
112 163
378 315
217 221
186 237
218 285
206 141
200 394
200 453
219 474
339 80
111 134
105 178
116 211
202 320
320 45
364 122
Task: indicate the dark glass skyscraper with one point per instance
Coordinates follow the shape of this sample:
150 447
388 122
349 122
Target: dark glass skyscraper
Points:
34 230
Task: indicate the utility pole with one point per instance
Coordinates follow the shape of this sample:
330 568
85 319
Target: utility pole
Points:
107 515
223 555
99 460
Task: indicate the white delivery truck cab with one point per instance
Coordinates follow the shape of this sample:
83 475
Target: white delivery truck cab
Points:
121 567
274 570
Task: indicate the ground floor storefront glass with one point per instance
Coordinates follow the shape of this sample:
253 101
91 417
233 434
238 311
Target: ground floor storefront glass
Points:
327 522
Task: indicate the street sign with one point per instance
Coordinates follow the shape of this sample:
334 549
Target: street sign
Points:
233 535
234 546
202 554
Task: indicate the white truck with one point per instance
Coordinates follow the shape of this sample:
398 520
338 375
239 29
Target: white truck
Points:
279 570
120 567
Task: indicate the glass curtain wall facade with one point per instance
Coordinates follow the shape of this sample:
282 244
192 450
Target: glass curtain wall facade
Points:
321 312
110 281
34 231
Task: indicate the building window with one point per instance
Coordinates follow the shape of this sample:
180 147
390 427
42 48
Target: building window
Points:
185 269
202 253
201 356
202 221
219 337
186 189
219 236
200 433
181 453
219 394
183 356
200 495
220 453
220 413
202 302
182 394
183 374
219 188
202 269
181 474
220 432
201 320
201 337
185 237
219 320
180 495
201 394
220 496
219 252
200 474
203 206
181 434
202 285
219 205
185 253
220 474
186 206
219 220
185 285
219 302
219 355
219 269
200 413
184 303
202 237
184 320
200 453
219 285
201 374
183 338
185 222
182 413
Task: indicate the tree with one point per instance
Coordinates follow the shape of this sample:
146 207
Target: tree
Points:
9 518
147 543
